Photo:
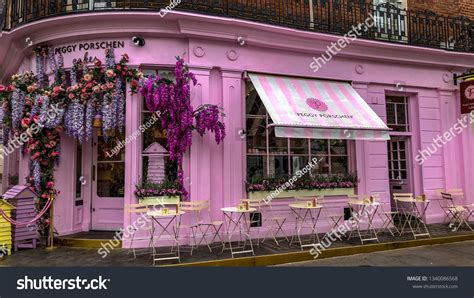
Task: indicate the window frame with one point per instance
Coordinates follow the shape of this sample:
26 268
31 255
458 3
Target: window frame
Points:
143 112
406 105
350 147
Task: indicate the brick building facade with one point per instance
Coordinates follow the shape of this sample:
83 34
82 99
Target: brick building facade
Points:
445 7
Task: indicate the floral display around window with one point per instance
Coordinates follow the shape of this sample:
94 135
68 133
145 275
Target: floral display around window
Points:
151 189
35 112
319 182
178 118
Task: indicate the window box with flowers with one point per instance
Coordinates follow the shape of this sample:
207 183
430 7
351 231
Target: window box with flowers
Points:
165 193
321 185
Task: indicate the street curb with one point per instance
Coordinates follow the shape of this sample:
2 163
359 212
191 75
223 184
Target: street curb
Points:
278 259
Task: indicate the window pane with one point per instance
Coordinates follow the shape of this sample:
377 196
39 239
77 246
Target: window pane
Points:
319 147
277 145
110 179
391 114
299 146
105 149
159 168
401 115
339 165
255 105
322 167
339 147
403 155
298 163
404 174
278 166
154 132
256 167
256 138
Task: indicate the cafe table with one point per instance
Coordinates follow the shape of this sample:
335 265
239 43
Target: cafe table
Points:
306 217
365 210
416 212
166 224
236 223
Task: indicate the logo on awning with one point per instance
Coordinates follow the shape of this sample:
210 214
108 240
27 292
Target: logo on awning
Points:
317 104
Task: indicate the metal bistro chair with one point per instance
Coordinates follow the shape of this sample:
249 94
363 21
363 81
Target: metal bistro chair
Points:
388 222
140 210
206 225
458 213
256 218
334 216
192 210
269 219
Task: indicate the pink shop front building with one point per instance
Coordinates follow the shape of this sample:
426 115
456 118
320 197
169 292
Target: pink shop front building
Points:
372 110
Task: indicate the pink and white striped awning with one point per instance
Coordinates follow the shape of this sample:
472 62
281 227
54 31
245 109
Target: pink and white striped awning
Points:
317 109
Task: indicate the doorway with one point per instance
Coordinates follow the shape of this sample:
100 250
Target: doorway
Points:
399 165
108 183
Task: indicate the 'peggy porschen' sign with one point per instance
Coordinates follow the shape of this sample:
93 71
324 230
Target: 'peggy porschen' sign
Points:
88 50
87 46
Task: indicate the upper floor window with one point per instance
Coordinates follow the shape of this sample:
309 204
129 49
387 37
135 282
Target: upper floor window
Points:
269 156
397 113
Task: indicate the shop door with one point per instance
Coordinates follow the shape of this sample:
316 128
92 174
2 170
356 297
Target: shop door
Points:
399 166
108 181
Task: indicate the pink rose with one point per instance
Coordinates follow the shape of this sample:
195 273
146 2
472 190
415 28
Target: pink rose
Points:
71 96
31 88
2 88
88 77
110 73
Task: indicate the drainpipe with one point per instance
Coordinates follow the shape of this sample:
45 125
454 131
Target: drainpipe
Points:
311 15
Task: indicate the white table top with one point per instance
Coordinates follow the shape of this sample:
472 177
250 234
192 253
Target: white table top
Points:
159 213
304 206
236 210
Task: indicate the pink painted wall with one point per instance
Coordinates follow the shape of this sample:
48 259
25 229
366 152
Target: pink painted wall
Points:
213 54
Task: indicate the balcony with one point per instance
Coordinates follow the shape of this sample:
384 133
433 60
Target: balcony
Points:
419 28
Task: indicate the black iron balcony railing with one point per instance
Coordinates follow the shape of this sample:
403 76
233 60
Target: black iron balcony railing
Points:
393 24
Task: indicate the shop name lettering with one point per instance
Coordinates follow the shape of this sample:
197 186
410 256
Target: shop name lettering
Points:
87 46
312 115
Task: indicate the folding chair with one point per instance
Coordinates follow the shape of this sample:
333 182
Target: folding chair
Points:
255 221
275 223
334 216
388 222
140 210
192 210
206 225
458 213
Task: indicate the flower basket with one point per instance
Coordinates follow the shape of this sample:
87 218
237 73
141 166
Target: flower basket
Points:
161 200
